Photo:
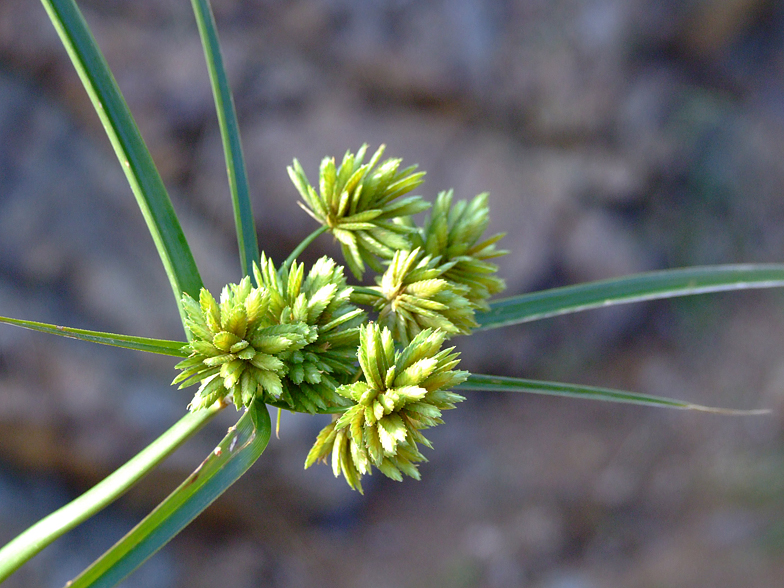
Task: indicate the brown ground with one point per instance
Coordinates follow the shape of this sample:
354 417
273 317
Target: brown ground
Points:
614 136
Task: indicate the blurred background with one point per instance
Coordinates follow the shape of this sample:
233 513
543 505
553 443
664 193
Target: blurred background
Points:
614 136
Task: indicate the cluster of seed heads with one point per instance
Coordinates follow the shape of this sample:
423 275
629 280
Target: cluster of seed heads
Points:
402 393
301 341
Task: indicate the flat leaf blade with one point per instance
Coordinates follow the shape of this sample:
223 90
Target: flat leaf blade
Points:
634 288
482 382
160 346
230 135
53 526
129 146
242 446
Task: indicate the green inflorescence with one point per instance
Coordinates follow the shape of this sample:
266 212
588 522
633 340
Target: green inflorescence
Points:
413 295
359 204
402 393
291 339
322 302
452 234
234 348
302 341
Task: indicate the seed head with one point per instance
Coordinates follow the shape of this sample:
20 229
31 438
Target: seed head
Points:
401 394
321 301
452 234
234 350
358 202
413 295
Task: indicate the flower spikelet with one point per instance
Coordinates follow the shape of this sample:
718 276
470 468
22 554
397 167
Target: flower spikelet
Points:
402 393
234 350
321 301
359 201
453 233
413 295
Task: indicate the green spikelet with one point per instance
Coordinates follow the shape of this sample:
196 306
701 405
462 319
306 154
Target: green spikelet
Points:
359 203
234 350
414 295
321 301
401 394
452 234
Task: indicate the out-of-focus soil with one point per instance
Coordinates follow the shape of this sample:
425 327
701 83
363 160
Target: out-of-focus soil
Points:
614 136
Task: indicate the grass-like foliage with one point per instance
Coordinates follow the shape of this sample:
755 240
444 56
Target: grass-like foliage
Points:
306 339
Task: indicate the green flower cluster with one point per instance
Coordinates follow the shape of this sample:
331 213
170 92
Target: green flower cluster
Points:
233 347
437 275
299 341
403 392
322 302
291 339
358 203
414 295
452 235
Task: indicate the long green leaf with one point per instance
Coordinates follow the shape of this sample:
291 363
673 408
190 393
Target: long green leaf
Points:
230 133
486 383
45 531
634 288
161 346
242 446
135 158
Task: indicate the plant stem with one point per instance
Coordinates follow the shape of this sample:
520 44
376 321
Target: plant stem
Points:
302 246
231 458
230 134
45 531
129 146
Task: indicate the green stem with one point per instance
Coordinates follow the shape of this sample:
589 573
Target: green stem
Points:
239 449
45 531
230 134
302 246
135 158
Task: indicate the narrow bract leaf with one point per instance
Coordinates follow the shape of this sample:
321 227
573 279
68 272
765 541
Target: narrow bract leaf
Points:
45 531
240 449
134 157
506 384
230 135
161 346
634 288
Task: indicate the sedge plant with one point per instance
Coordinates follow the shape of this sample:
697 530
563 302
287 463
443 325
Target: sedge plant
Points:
377 358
